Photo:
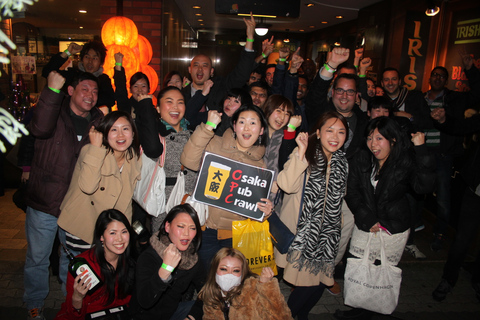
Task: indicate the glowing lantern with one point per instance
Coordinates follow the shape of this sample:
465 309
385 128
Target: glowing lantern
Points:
120 31
143 50
151 75
130 61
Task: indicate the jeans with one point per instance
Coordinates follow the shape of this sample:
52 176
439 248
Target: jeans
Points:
468 225
210 246
444 173
40 229
64 260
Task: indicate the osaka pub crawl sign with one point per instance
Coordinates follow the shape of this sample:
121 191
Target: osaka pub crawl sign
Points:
232 185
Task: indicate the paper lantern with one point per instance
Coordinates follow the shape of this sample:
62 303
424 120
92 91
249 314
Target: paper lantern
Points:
120 31
143 50
151 75
130 61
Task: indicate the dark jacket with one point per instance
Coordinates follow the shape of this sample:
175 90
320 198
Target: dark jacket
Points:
235 79
157 300
56 151
388 203
316 103
105 89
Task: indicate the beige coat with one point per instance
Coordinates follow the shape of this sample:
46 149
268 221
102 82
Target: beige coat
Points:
97 185
226 146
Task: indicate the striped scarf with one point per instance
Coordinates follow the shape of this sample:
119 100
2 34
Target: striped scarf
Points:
318 233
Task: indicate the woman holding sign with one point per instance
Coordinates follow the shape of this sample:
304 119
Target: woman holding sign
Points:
314 176
245 143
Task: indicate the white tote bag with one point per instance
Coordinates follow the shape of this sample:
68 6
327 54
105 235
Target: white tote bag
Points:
179 196
371 287
149 192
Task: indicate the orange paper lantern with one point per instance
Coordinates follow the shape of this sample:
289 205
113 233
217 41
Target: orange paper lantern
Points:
143 50
120 31
130 61
151 75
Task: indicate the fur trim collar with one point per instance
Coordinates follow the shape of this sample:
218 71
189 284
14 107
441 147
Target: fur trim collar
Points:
189 256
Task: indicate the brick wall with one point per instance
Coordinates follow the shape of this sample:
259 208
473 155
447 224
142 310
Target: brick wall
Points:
147 16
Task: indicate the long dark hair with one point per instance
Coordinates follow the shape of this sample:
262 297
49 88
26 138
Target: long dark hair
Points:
211 294
237 93
315 144
400 147
261 116
107 123
175 211
123 275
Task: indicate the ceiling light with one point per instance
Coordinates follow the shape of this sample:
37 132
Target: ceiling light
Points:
200 20
196 7
198 14
324 22
310 4
337 44
82 11
311 27
286 40
262 28
256 15
81 27
432 9
339 17
301 30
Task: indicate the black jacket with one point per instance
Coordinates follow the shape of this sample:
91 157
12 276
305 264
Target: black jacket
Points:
388 204
158 300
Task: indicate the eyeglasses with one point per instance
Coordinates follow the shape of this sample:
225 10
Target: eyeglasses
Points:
340 91
440 75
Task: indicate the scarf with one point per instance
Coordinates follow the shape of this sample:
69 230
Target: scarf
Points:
402 95
318 233
189 256
183 124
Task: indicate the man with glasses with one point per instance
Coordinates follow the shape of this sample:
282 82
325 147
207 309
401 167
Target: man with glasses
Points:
345 93
446 147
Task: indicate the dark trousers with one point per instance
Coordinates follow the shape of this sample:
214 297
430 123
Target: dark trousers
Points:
468 225
210 246
303 299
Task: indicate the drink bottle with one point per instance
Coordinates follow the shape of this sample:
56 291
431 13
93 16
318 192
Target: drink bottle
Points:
79 265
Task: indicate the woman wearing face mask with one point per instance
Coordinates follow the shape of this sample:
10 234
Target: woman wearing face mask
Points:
315 176
172 126
245 143
105 176
167 268
110 260
232 291
379 180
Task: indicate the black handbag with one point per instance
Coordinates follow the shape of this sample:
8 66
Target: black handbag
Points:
282 237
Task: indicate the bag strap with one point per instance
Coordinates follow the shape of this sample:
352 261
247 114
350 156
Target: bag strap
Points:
185 197
366 252
152 179
162 156
382 250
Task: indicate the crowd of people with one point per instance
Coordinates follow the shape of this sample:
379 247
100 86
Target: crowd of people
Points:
348 160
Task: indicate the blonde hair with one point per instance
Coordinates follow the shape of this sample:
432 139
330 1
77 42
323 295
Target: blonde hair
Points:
211 294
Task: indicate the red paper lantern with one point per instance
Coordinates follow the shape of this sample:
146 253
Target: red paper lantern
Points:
130 61
151 75
143 50
120 31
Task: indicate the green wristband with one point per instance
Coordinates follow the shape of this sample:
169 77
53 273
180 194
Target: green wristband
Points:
282 59
291 126
355 66
328 68
67 52
54 90
264 55
250 40
362 75
118 64
211 124
167 267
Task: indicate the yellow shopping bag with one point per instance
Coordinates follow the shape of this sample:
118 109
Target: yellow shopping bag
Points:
252 238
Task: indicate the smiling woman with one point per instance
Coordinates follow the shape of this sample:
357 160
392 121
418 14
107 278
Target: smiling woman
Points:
109 165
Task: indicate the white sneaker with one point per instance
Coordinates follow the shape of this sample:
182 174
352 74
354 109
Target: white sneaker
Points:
415 252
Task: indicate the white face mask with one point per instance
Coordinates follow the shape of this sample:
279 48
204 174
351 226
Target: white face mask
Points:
227 281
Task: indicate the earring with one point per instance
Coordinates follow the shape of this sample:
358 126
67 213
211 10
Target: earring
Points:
259 139
318 137
234 135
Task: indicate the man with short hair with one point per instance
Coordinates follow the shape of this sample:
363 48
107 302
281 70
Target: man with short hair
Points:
269 73
408 104
60 125
259 93
92 58
256 75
